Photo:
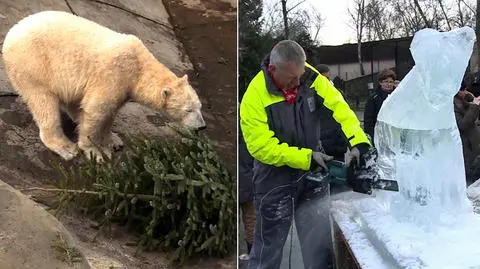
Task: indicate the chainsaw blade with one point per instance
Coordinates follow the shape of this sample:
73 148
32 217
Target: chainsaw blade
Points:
369 177
385 184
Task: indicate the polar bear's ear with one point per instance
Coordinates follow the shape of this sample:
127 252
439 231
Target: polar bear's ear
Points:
165 92
185 77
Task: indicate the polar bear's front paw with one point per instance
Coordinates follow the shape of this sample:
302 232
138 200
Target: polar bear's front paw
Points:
92 152
68 152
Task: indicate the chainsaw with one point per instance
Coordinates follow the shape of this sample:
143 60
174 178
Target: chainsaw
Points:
360 178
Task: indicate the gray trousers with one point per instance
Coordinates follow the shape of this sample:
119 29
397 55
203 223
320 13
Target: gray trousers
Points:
277 203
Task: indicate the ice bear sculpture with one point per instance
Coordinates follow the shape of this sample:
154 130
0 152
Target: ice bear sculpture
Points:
416 133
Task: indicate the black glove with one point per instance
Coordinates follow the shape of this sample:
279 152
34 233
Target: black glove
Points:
361 170
356 154
357 181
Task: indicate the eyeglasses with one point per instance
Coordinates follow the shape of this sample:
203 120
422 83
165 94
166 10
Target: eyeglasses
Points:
387 82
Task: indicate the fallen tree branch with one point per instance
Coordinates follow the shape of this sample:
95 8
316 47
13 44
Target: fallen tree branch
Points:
141 197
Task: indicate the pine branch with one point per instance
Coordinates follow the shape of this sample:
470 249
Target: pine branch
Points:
187 201
141 197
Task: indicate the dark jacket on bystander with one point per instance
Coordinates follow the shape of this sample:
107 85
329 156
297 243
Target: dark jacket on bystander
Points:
466 114
372 107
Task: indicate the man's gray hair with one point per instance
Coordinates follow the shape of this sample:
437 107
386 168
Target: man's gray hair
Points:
287 51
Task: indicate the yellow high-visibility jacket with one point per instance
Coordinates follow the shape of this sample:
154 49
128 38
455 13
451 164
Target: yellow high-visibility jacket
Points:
281 134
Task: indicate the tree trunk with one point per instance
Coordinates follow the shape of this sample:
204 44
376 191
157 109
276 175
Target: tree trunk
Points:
445 15
424 18
285 18
359 52
360 25
460 14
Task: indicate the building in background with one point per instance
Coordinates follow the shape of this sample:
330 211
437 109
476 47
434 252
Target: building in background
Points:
376 56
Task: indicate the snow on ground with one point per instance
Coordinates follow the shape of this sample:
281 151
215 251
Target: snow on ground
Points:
378 240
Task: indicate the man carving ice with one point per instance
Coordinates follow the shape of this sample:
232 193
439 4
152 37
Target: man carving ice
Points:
280 121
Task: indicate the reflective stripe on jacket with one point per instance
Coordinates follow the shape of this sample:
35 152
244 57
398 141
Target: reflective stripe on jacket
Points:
279 134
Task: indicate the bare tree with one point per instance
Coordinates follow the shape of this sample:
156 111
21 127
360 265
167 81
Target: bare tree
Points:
442 15
372 19
406 17
316 22
442 7
285 13
357 15
469 6
378 24
460 13
417 5
465 14
285 17
300 18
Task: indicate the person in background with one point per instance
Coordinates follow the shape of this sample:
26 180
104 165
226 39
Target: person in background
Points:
467 108
387 83
325 71
475 89
333 142
245 192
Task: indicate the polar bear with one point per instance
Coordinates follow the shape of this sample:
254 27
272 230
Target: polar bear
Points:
59 61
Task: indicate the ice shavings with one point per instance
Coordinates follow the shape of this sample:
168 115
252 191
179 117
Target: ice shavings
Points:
379 240
365 252
447 246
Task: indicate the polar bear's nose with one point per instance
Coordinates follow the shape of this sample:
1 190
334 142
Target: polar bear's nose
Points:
202 127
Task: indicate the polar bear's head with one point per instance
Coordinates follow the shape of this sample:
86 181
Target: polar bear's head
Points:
441 59
182 104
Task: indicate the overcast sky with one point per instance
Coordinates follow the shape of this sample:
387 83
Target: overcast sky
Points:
335 29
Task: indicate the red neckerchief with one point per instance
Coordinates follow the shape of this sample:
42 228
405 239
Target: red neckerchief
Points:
289 94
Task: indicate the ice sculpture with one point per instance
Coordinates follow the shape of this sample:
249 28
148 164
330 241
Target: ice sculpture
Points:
416 133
